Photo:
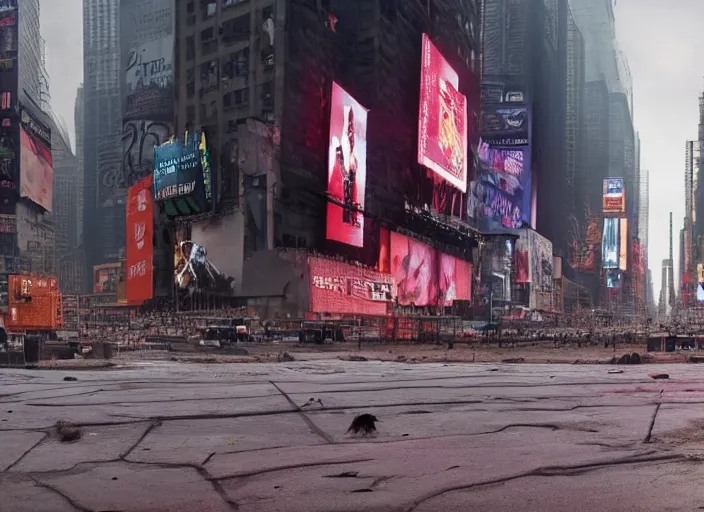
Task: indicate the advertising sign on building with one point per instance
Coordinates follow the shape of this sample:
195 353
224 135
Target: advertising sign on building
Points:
442 122
610 243
106 278
341 288
140 248
623 245
347 169
183 176
36 163
614 196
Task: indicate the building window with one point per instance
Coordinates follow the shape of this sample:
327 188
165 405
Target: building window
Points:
236 64
236 30
267 96
190 48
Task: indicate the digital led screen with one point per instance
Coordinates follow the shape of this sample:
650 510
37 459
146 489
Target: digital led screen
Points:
183 175
36 163
506 125
503 190
623 250
140 245
341 288
521 256
347 168
613 278
609 244
442 120
614 196
425 277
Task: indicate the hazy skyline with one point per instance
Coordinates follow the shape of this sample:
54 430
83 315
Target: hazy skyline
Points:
667 83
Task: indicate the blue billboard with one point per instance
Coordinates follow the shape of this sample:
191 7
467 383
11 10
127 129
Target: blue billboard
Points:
183 176
610 244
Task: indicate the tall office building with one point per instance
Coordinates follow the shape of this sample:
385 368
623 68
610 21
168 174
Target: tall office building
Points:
78 120
33 76
574 120
104 184
525 46
66 210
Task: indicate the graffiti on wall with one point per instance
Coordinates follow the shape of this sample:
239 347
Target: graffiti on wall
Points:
138 141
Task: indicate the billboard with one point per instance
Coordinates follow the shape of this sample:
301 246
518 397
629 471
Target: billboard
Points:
414 268
36 163
106 278
506 124
609 243
521 258
337 287
541 269
614 278
503 189
147 81
614 196
216 235
623 245
183 175
347 168
454 280
195 272
584 249
140 244
442 120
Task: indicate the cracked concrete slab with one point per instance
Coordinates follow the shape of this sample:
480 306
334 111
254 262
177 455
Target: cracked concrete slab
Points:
24 495
207 437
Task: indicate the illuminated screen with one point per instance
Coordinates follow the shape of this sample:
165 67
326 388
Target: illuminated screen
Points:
614 196
700 292
521 258
384 263
442 123
609 244
623 251
36 163
414 268
106 278
613 278
347 168
337 287
140 248
503 191
454 280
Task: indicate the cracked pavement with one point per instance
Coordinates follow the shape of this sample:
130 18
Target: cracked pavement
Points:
167 437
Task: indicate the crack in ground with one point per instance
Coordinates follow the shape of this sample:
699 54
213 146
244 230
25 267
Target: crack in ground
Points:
247 474
44 438
311 425
50 397
652 424
65 496
142 402
146 432
549 471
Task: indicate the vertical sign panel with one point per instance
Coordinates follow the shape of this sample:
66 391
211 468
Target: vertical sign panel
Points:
442 121
347 169
609 243
623 251
140 249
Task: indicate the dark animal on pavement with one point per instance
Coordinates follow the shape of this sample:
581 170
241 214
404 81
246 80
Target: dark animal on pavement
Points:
364 424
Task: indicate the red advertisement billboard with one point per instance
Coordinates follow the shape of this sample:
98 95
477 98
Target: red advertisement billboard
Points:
140 231
347 168
454 280
337 287
414 267
36 163
442 121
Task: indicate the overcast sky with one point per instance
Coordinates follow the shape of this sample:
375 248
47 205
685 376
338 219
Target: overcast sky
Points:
62 28
661 40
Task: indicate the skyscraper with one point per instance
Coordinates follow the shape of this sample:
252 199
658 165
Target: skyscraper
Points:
78 120
104 185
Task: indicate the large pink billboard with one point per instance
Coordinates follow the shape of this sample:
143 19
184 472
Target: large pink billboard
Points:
347 168
442 121
425 277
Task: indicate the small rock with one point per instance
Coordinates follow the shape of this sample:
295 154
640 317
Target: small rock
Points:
659 376
285 357
357 358
114 478
67 433
70 379
615 370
